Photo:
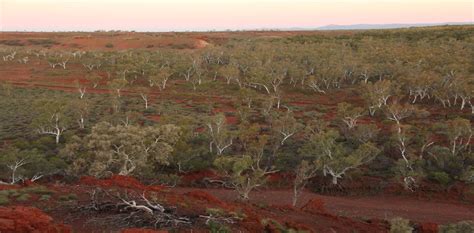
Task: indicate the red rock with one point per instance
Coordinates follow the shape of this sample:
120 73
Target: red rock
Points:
21 219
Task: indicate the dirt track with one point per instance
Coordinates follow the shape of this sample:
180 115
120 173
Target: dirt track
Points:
380 207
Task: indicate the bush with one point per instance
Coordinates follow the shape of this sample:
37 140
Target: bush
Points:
468 175
169 179
460 227
440 177
68 197
400 225
40 190
44 197
23 197
215 227
4 199
109 45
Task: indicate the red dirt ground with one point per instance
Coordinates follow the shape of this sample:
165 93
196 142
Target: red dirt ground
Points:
379 207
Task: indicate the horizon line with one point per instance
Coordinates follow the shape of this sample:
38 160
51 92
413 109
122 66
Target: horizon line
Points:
326 27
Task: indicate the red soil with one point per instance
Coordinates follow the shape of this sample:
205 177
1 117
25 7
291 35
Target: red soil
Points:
428 227
197 176
5 187
378 207
154 117
141 230
232 120
21 219
315 205
119 181
206 197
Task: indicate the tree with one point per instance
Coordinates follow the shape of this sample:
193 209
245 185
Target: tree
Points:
160 78
220 136
335 157
269 75
229 72
459 134
286 125
52 118
247 96
304 172
246 172
349 114
118 85
122 150
377 94
60 59
201 73
23 164
81 88
341 163
397 112
185 67
91 60
144 93
10 56
80 110
421 86
94 79
364 133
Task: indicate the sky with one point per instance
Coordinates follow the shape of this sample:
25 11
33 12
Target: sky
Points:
202 15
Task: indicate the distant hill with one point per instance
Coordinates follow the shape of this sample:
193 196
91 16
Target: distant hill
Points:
385 26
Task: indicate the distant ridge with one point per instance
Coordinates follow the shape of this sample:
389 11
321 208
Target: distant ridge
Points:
386 26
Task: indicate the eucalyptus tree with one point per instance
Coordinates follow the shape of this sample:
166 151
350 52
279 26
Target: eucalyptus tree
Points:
117 85
23 164
144 93
52 118
335 157
459 134
377 94
80 111
349 114
160 77
91 60
304 172
246 171
221 137
123 150
94 79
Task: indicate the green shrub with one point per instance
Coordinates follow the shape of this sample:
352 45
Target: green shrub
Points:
215 227
440 177
275 224
40 190
9 193
460 227
109 45
23 197
215 211
45 197
68 197
400 225
4 199
169 179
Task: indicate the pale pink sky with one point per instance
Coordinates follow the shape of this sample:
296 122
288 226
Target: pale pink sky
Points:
178 15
